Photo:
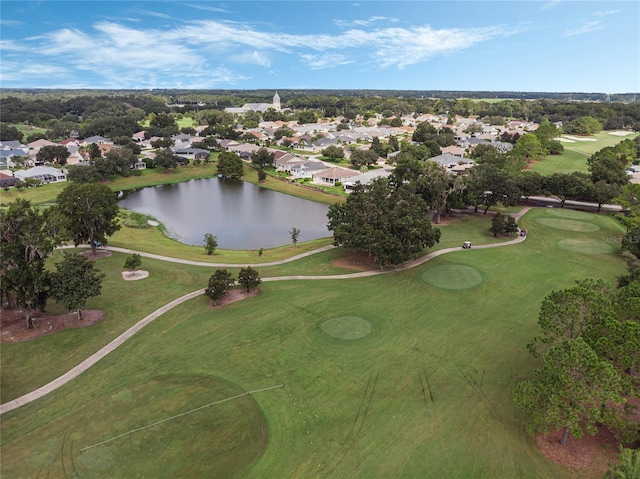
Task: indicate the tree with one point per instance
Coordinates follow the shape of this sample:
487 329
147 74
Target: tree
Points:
307 116
57 154
210 243
9 133
249 278
627 467
497 224
219 284
262 175
570 392
166 159
608 165
604 192
25 243
565 314
133 262
530 183
333 152
262 158
568 185
585 125
230 165
75 280
390 224
363 157
90 212
528 147
294 233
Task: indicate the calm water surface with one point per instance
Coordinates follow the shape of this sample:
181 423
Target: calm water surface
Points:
241 215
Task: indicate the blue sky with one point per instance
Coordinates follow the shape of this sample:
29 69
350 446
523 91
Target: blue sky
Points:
556 45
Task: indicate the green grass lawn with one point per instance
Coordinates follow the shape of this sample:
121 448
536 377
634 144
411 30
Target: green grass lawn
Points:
575 154
398 375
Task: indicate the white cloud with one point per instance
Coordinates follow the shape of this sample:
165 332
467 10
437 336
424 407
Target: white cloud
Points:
253 58
586 27
550 4
151 13
11 46
326 60
142 57
11 23
602 13
207 8
365 23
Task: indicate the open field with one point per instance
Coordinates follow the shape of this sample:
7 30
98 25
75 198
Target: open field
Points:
398 375
575 154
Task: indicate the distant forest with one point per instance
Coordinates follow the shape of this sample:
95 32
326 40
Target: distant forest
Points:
41 107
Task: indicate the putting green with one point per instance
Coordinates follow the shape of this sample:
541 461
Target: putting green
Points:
586 246
452 277
347 327
219 440
568 225
568 214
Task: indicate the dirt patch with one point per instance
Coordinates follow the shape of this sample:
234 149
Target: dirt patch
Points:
234 295
100 253
13 326
590 452
530 163
357 261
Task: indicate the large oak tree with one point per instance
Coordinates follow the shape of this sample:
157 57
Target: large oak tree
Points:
390 224
89 212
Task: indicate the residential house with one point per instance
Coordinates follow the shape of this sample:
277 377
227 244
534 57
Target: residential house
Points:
97 139
307 169
334 175
366 178
45 174
191 153
244 150
12 145
453 150
284 162
450 161
7 157
7 180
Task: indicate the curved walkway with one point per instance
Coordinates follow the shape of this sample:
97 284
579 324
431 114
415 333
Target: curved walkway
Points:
102 352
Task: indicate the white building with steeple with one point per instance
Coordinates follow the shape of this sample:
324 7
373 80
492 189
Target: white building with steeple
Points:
261 107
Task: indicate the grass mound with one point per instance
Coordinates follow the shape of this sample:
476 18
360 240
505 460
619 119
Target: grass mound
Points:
568 214
347 327
586 246
221 440
452 277
568 225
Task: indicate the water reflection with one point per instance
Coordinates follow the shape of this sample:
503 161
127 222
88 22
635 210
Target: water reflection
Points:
241 215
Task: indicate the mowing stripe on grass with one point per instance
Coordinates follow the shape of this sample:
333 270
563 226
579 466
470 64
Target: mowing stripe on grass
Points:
180 415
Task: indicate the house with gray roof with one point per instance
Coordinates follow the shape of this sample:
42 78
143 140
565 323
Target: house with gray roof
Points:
192 153
307 169
450 161
44 174
366 178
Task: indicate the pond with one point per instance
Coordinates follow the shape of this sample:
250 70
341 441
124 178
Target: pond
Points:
241 215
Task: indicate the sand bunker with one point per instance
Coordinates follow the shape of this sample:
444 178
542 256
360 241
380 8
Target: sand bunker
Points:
576 138
134 275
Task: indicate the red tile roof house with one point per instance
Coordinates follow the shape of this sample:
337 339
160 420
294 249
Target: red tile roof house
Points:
333 175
